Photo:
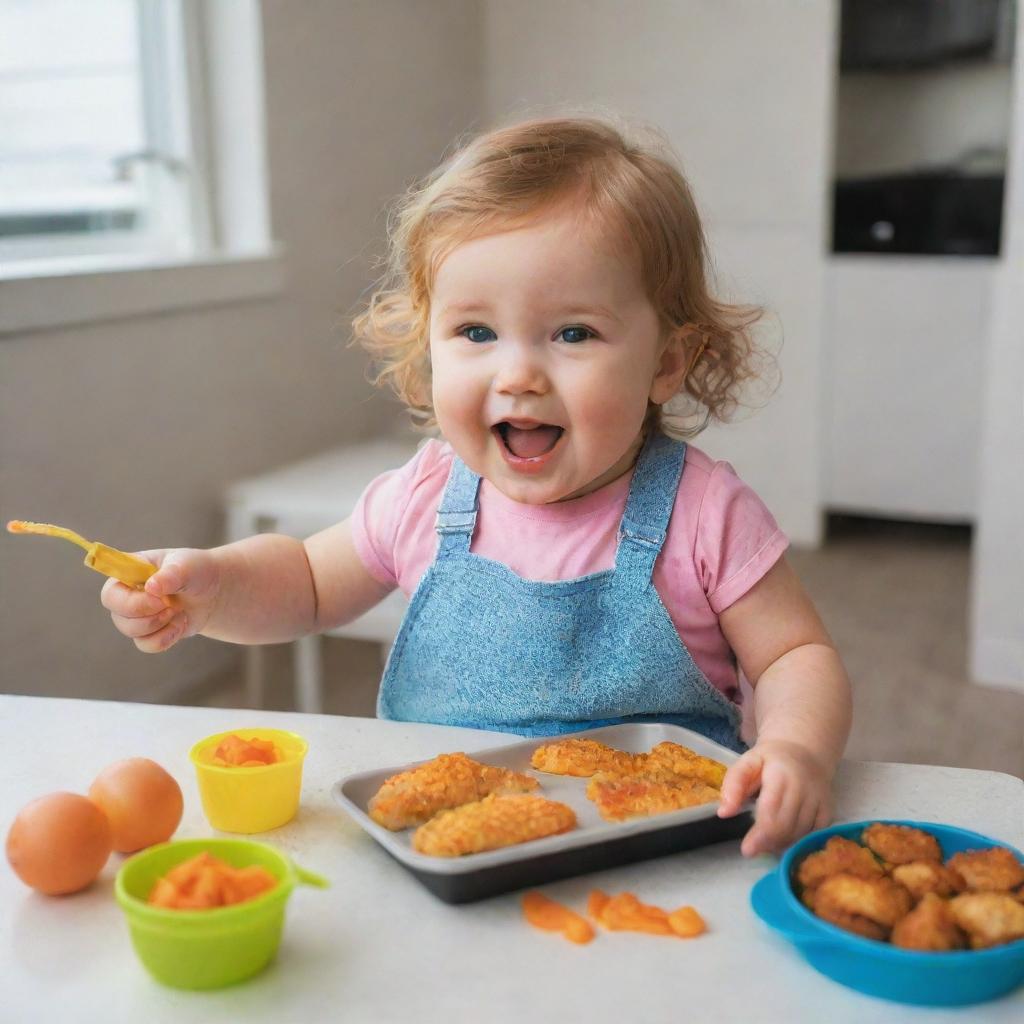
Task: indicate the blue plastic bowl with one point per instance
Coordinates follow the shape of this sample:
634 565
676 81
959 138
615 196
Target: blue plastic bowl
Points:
878 968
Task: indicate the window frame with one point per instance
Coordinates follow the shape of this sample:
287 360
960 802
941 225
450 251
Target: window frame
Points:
232 256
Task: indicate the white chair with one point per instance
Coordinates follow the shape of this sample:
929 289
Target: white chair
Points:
299 499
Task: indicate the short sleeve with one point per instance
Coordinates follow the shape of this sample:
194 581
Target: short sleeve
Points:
738 540
377 518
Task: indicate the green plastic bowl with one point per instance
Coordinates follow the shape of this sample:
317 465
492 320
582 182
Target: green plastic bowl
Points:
204 949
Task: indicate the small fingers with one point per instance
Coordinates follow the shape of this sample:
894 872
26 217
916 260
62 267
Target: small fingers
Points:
806 819
163 638
761 838
135 626
741 780
824 816
796 814
182 571
775 815
128 602
169 579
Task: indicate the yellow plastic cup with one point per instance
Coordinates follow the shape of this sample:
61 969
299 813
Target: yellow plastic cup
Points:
204 949
248 800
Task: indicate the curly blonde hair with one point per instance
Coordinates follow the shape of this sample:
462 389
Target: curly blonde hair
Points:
504 178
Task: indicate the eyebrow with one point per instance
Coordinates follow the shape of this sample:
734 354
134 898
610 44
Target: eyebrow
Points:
465 307
568 307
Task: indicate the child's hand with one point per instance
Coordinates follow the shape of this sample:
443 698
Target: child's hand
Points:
796 795
177 601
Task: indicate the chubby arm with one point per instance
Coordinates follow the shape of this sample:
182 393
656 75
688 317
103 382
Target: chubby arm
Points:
277 588
802 710
344 589
264 589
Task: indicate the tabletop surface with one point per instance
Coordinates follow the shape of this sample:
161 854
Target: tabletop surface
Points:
378 947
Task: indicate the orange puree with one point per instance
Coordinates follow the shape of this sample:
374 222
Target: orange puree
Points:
625 912
235 752
551 916
204 882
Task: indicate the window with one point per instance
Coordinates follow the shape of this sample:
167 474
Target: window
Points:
97 151
120 121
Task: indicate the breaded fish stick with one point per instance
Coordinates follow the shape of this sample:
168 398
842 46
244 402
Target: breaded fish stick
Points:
583 758
667 762
492 823
450 780
621 797
671 759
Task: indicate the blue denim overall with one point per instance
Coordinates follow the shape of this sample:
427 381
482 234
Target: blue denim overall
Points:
482 647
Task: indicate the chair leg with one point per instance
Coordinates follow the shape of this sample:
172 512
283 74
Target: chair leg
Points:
308 674
255 673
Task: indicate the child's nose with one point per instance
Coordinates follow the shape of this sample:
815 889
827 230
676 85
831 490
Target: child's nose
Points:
521 371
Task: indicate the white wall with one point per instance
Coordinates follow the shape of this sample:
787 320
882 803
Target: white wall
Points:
128 431
906 339
744 93
997 640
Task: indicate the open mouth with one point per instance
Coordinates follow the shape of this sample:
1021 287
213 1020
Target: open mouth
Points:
528 442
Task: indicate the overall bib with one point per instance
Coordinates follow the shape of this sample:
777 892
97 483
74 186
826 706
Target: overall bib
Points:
484 648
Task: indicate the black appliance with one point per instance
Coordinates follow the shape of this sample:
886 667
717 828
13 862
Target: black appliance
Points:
940 211
894 34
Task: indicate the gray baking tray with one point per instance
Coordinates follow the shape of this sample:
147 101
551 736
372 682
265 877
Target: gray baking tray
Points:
594 845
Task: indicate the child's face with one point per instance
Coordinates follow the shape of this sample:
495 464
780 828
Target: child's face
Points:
544 352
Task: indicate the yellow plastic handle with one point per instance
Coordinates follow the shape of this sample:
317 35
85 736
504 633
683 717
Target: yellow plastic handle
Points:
103 558
124 567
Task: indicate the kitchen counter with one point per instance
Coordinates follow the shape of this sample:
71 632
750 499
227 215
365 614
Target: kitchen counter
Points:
377 947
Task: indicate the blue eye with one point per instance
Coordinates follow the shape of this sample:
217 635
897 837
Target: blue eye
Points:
478 334
574 335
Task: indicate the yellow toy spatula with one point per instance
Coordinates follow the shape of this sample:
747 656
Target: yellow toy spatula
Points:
127 568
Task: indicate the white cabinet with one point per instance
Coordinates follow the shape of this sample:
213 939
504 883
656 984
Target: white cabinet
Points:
905 346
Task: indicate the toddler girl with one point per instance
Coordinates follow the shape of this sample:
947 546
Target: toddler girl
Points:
570 563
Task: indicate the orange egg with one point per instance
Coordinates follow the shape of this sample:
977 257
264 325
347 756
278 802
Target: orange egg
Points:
142 802
59 843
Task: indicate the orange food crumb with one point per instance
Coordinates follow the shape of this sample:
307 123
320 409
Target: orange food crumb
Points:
686 922
596 902
551 916
233 751
205 881
625 912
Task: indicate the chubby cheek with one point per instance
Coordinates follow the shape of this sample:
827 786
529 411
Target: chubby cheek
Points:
611 419
458 401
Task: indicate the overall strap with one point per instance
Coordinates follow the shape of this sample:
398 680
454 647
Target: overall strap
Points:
456 515
652 494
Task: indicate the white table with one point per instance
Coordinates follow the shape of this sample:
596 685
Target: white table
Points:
301 499
377 947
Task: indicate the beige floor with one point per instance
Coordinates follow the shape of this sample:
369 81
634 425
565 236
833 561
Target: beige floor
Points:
894 597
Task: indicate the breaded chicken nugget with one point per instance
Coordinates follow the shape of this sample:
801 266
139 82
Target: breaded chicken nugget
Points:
492 823
583 758
848 922
989 918
993 870
839 856
619 797
849 901
929 927
671 759
927 876
900 844
450 780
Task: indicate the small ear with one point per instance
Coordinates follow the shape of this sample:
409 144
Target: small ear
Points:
674 362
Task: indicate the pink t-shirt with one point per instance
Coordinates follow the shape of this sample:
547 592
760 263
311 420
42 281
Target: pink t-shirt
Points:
721 541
